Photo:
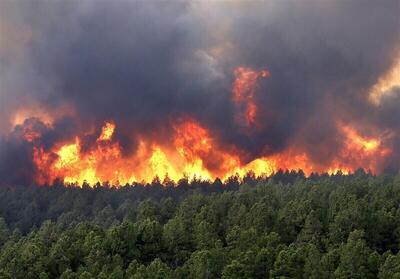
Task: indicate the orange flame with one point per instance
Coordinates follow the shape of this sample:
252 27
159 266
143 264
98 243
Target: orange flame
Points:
192 153
244 88
107 131
354 140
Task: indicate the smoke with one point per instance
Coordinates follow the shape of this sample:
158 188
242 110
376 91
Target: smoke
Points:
145 64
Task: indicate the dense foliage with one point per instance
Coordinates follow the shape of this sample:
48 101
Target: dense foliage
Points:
282 227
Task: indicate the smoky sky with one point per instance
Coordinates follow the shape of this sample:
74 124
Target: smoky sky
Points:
145 64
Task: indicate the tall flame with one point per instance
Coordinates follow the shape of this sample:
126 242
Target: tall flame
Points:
244 88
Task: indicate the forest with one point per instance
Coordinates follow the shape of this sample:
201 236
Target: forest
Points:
284 226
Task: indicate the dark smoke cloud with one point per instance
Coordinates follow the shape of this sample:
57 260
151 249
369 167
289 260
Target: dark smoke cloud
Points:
143 64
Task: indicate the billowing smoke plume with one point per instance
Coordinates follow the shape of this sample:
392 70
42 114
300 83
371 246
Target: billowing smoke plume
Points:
68 67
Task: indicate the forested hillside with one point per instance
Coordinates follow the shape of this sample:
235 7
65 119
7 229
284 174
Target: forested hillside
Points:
286 226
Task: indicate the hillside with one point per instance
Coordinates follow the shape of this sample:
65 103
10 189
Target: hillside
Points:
283 227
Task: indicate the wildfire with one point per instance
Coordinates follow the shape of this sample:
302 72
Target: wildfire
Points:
107 131
354 140
359 150
244 88
191 151
192 154
67 155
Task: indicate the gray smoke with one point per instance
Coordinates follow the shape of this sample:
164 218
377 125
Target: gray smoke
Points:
144 64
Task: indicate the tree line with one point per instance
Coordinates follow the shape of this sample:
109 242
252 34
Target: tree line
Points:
285 226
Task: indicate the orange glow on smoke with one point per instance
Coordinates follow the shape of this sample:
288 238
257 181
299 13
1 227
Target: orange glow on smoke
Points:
386 84
360 150
244 88
30 134
34 110
354 140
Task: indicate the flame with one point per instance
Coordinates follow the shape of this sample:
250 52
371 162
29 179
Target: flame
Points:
191 151
359 151
102 163
354 139
68 155
244 88
333 171
193 148
107 131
